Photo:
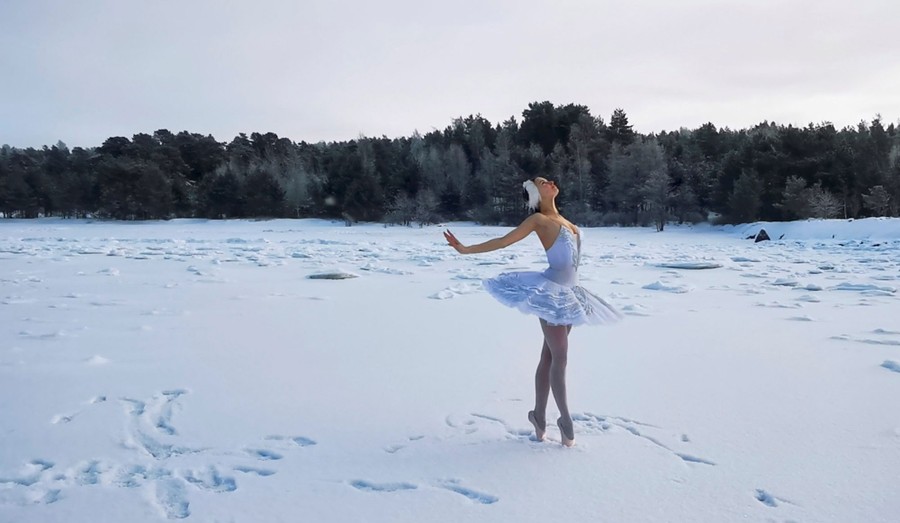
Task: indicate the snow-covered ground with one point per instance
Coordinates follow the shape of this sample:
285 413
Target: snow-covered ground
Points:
192 369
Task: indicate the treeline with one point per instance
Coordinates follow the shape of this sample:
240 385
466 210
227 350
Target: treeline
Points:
471 170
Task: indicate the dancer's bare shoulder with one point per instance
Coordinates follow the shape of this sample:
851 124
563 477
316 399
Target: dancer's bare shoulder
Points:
544 224
545 227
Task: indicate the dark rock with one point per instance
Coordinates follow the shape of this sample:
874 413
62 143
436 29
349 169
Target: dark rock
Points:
762 236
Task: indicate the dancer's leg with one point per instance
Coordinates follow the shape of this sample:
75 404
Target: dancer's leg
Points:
557 338
538 416
542 381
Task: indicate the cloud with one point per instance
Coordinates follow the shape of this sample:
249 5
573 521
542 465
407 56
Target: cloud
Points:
84 71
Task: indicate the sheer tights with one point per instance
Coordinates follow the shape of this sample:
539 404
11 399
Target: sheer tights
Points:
551 375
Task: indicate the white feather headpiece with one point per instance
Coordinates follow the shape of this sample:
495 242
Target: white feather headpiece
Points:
534 195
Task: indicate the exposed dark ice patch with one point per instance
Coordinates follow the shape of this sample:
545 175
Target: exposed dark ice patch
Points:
338 275
690 266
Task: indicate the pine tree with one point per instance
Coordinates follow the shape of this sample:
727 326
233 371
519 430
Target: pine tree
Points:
793 200
745 198
619 130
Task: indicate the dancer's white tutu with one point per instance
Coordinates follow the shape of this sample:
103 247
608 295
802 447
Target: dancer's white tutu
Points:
554 295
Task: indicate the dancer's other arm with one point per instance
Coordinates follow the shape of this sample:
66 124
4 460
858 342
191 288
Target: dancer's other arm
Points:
524 229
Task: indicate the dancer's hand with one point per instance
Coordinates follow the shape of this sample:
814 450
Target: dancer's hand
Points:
460 248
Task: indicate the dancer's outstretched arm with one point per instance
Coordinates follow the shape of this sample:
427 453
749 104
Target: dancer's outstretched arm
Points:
524 229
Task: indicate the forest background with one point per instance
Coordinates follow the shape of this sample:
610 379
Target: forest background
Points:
472 170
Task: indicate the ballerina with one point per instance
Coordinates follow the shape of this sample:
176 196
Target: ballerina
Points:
553 295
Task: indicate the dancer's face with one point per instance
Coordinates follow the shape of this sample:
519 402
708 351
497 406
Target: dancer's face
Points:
547 188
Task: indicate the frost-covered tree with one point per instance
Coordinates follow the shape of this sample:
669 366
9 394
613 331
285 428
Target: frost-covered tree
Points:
657 196
821 203
426 207
402 210
878 200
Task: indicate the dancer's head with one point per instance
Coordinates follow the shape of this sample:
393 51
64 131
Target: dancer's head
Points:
538 190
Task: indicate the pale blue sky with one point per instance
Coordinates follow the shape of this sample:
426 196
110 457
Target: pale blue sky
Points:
81 71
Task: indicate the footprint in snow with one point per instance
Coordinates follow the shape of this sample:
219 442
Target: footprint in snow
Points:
768 499
453 485
264 454
673 442
210 479
152 434
171 498
867 341
368 486
254 470
67 418
891 365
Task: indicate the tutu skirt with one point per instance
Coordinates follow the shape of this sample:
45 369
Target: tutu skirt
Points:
534 293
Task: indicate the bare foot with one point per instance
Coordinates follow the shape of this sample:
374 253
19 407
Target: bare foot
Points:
539 428
566 432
